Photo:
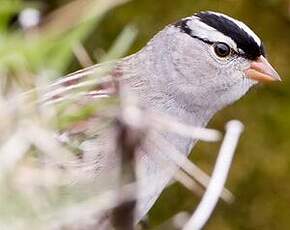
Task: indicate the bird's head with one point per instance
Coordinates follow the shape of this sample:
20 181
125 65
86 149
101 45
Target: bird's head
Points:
216 57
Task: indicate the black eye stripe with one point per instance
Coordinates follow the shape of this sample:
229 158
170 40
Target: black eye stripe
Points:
251 50
229 28
182 25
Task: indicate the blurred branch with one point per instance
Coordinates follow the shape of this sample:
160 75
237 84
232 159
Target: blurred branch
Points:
82 55
188 183
217 181
129 138
9 155
187 166
122 44
123 216
174 223
168 123
76 12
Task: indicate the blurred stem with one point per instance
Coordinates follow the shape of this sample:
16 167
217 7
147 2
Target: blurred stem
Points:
121 44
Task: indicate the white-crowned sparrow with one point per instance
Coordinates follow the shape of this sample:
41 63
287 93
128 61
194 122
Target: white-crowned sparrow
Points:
189 70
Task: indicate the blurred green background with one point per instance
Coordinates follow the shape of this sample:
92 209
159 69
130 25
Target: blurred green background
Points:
260 175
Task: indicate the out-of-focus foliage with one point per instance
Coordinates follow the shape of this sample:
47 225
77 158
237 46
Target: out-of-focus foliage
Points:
35 191
49 47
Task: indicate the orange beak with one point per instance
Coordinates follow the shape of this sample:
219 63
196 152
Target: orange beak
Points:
261 70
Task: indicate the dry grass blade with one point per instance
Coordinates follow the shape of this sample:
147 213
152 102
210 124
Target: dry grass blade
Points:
9 155
75 77
188 182
45 141
76 12
190 168
174 223
221 169
82 55
168 123
63 91
123 216
122 44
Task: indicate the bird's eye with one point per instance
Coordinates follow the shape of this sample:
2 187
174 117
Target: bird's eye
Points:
222 50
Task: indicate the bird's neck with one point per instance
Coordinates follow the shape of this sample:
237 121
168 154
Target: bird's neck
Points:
154 81
152 78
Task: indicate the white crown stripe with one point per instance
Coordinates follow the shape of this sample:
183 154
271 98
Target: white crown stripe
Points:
206 32
242 25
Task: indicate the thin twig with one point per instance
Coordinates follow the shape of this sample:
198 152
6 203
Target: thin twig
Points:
9 155
82 55
58 92
129 138
189 167
188 182
220 172
123 215
169 123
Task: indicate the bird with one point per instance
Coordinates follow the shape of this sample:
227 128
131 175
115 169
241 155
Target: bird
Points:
190 70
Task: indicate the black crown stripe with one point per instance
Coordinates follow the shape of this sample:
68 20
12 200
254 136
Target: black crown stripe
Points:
229 28
244 41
